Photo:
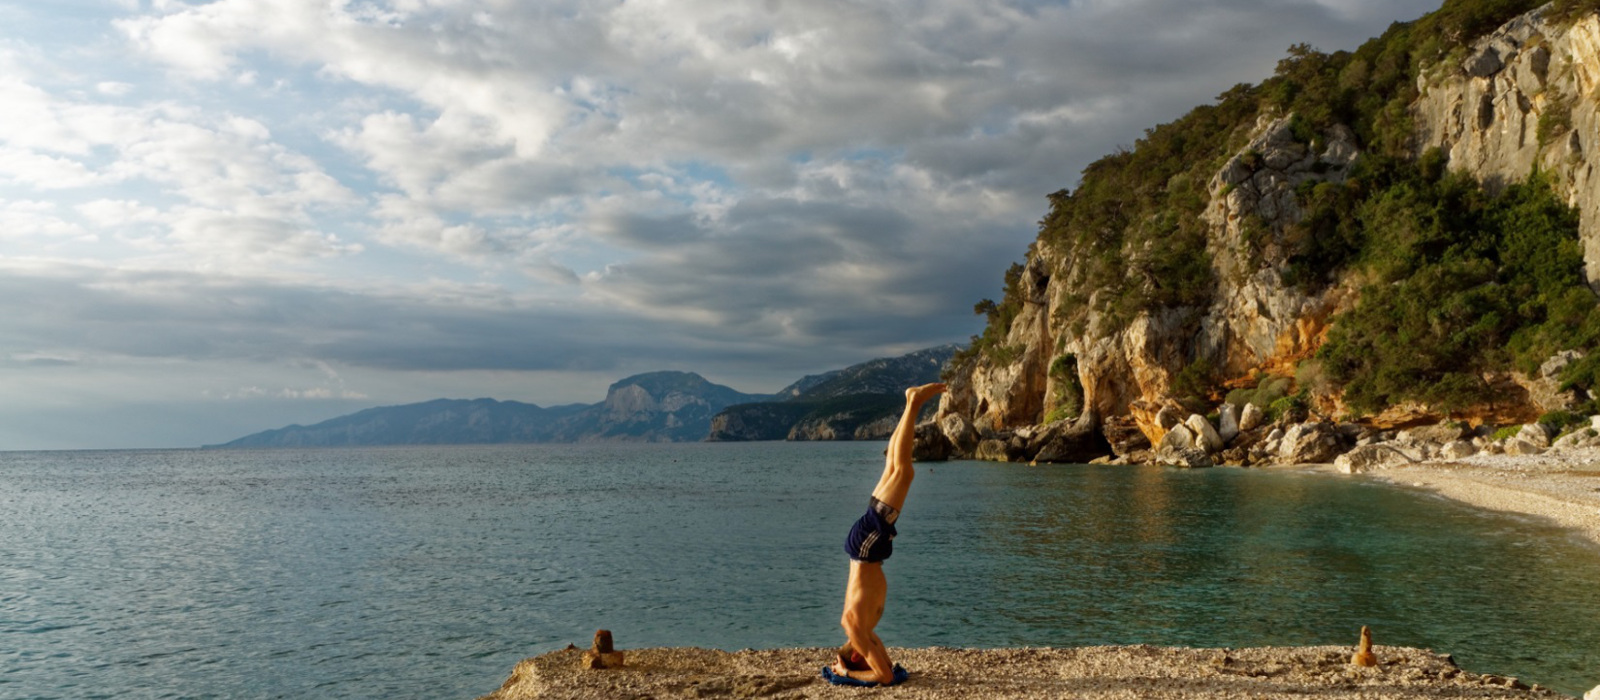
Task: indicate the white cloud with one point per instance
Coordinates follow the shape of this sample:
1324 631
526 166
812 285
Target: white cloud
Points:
232 194
111 213
44 171
565 187
34 219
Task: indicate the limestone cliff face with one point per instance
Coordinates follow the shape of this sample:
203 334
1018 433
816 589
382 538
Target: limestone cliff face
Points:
1255 320
1487 112
1484 112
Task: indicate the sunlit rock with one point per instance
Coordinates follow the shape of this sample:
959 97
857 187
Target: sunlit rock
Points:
1369 458
1459 449
1228 423
1519 446
1251 417
1308 443
1205 436
1536 434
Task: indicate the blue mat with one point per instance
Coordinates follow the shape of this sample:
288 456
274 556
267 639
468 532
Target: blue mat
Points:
900 676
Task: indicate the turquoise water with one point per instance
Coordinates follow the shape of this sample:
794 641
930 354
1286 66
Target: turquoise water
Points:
429 572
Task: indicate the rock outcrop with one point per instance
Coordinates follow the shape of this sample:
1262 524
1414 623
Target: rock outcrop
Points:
1256 321
1527 95
1487 112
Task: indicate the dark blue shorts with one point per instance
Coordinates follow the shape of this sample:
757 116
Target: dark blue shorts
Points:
871 539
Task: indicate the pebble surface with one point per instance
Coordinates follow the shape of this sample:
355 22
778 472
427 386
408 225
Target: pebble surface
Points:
1029 673
1561 485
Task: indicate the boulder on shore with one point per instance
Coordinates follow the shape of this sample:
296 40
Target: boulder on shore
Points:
1124 435
1205 436
1519 446
1459 449
990 450
1437 434
1177 449
1178 437
1187 457
962 436
1251 417
1228 423
1582 437
1369 458
1536 433
932 444
1308 442
1075 442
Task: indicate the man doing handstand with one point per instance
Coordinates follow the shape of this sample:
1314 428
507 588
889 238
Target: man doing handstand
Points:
871 541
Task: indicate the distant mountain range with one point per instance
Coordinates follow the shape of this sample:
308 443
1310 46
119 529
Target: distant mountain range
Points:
852 403
860 402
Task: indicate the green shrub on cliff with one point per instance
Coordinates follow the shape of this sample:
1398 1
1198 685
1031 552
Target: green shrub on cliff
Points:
1064 370
991 344
1132 228
1555 121
1266 391
1462 283
1562 422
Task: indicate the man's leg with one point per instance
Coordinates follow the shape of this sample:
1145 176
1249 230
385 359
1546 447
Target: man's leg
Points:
897 471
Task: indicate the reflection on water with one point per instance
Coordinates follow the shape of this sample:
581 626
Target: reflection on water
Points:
428 572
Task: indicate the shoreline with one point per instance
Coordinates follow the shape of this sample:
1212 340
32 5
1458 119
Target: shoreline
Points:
1561 486
1016 674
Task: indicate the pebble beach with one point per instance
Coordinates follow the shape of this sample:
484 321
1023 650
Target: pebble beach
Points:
1560 485
1016 674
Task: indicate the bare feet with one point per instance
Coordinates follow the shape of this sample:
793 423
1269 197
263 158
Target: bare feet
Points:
919 395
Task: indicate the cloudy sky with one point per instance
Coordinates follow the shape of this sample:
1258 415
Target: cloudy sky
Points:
221 217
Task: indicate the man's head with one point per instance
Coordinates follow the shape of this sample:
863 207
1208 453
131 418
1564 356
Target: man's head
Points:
852 659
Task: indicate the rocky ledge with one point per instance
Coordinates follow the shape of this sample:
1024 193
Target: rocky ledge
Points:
1247 437
1089 672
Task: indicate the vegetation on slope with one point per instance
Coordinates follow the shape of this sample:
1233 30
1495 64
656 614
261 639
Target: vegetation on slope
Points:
1458 281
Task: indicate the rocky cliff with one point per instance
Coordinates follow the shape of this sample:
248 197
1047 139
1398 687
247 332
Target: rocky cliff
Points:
1526 96
1074 363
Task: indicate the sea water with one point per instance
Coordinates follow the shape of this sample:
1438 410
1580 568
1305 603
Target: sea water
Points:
428 572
